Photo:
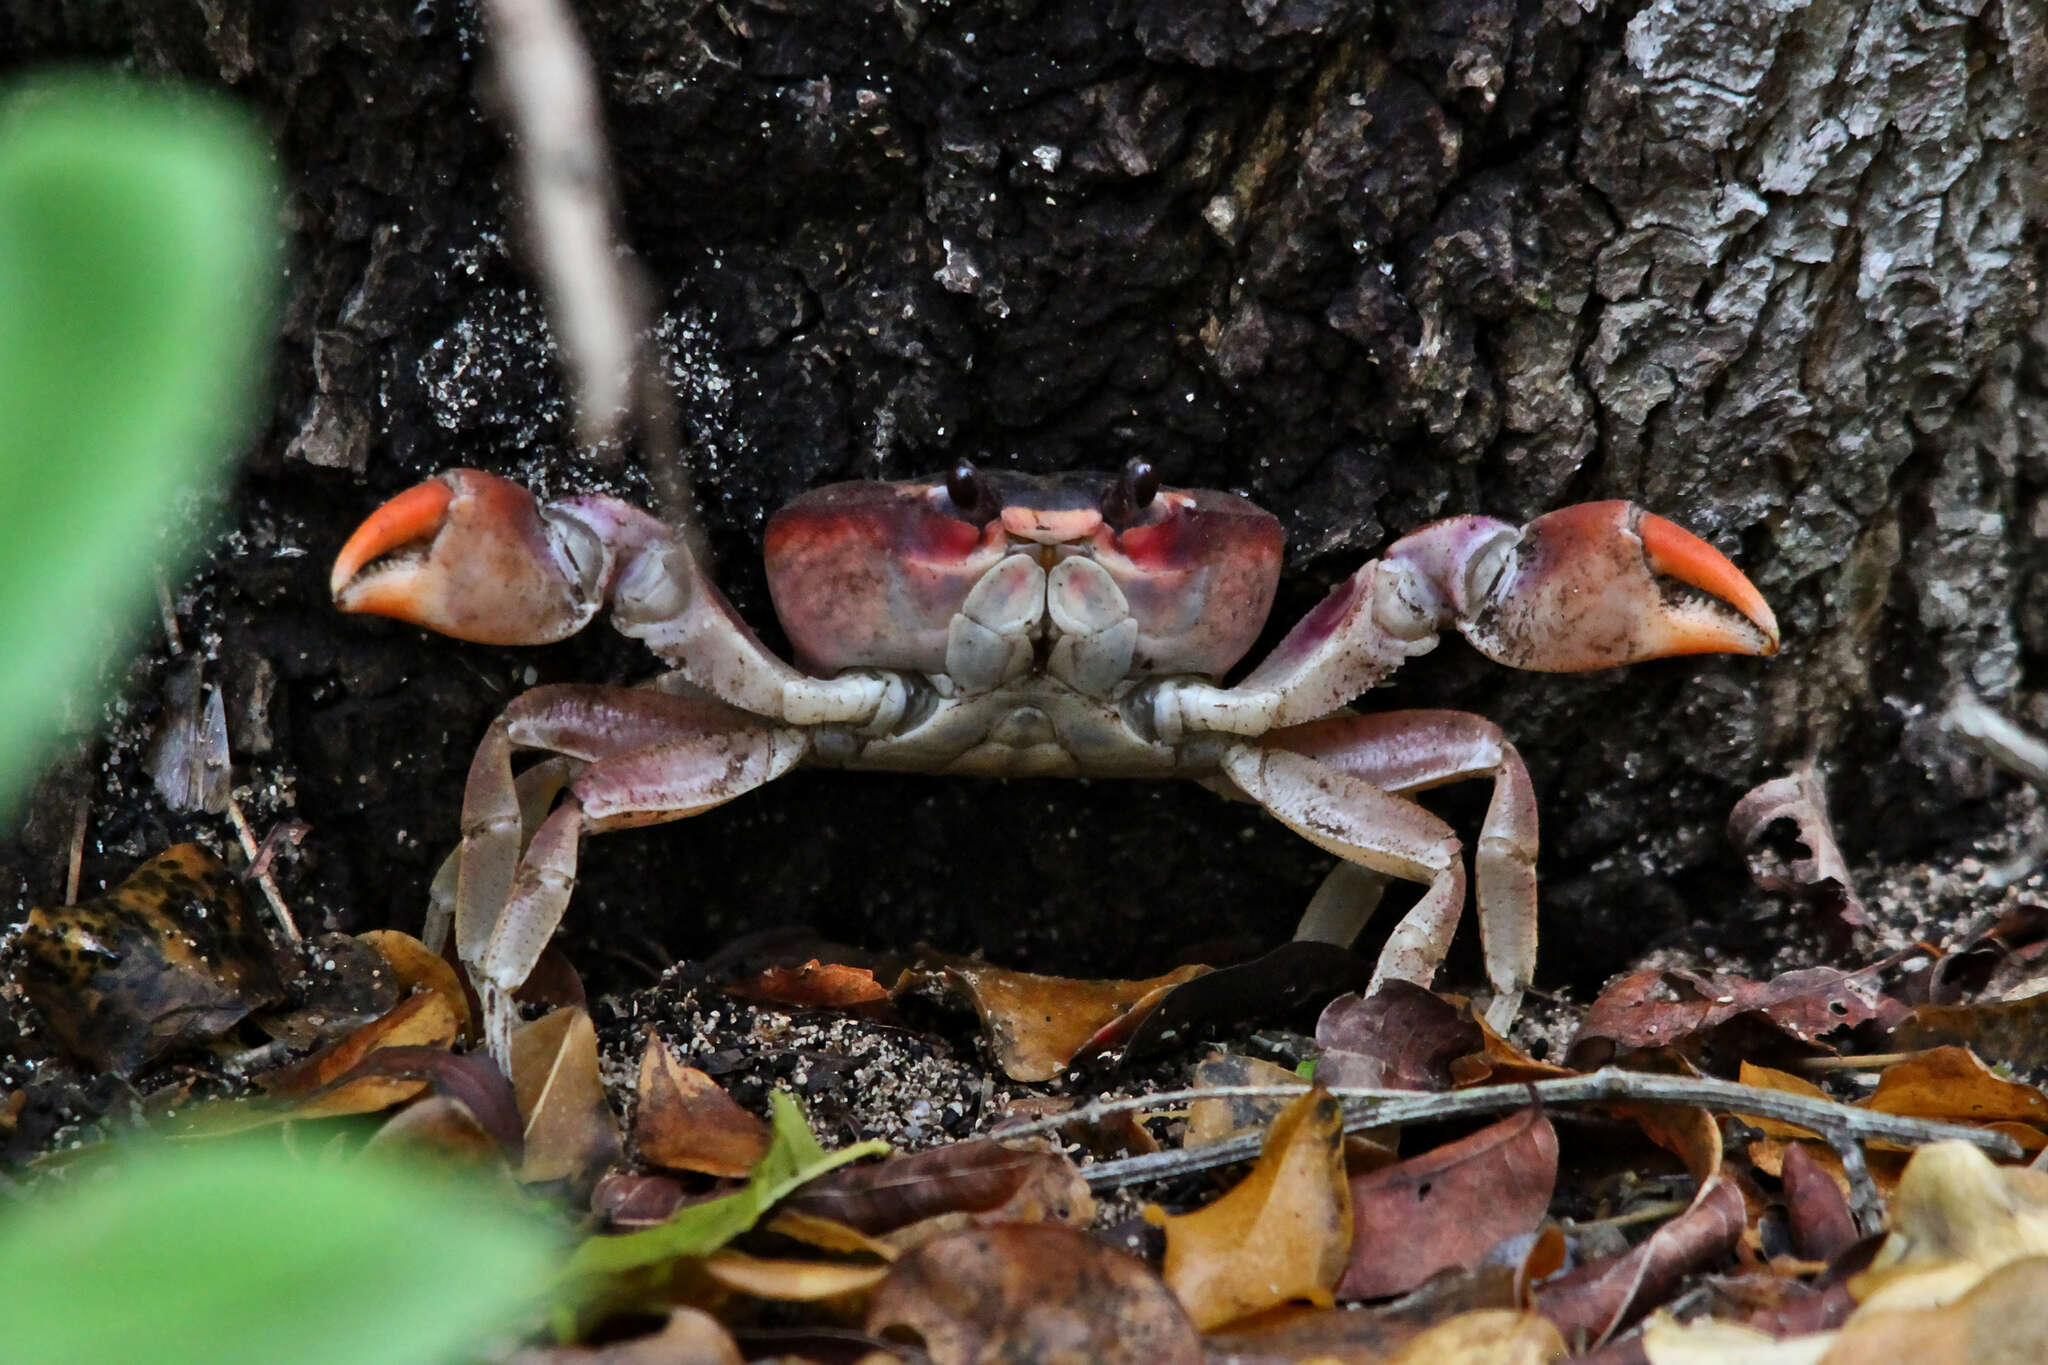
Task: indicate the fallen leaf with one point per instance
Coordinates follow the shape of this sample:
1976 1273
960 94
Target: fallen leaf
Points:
168 959
420 970
188 757
1449 1206
1274 986
791 1280
1591 1303
1822 876
1999 1321
440 1127
1400 1038
1041 1293
793 1159
1950 1083
322 1085
1037 1024
689 1337
2011 1031
1955 1218
981 1177
1210 1120
1490 1336
571 1133
1281 1233
1711 1341
685 1121
815 985
1816 1213
1500 1062
1785 1083
342 983
1692 1135
626 1200
1651 1009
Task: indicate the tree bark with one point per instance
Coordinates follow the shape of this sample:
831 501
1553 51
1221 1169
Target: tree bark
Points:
1768 268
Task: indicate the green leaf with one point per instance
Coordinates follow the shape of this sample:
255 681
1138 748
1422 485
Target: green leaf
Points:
137 274
238 1254
793 1157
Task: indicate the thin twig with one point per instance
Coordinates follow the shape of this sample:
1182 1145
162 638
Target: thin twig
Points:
1869 1061
1866 1204
1840 1123
75 862
596 297
252 850
1998 739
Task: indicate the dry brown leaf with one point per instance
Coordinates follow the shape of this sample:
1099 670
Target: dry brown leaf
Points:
815 985
170 958
685 1121
1281 1233
1823 874
1500 1062
1784 1082
570 1130
418 1021
1653 1009
1955 1218
1038 1023
1401 1037
1950 1083
983 1178
1692 1135
1816 1208
1589 1304
1999 1321
418 969
1042 1293
1450 1206
1490 1336
441 1127
828 1234
690 1337
1712 1341
792 1281
1210 1120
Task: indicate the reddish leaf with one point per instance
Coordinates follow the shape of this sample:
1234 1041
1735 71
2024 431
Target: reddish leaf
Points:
981 1177
1450 1206
1823 875
327 1084
1651 1009
1817 1214
1037 1292
1401 1038
1589 1304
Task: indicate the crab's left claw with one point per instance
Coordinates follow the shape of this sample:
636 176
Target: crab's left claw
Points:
472 555
1598 585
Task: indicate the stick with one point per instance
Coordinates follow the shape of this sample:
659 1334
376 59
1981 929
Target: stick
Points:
260 873
1839 1123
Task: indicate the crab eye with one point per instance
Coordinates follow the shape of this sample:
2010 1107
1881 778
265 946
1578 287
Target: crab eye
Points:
972 498
1133 491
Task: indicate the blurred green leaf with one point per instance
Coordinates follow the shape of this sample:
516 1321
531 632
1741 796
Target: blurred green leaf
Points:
137 273
233 1253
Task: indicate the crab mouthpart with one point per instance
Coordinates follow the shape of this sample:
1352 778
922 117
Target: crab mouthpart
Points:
1605 583
1051 526
469 555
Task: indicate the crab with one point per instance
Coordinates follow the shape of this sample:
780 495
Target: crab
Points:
1001 624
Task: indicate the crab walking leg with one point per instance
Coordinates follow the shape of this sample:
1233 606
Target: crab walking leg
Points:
645 756
1409 751
1358 822
536 790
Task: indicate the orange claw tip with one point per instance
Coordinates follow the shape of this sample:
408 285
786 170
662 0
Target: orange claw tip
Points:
1677 553
412 517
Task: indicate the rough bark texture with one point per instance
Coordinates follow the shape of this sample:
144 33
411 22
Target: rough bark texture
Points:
1769 268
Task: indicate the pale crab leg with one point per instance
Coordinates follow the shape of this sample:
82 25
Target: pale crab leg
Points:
537 788
647 756
1360 823
1408 751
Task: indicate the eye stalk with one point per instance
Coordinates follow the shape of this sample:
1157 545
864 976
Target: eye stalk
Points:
973 499
1132 492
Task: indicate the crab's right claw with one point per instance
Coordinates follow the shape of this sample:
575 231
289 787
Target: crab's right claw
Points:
1607 583
472 555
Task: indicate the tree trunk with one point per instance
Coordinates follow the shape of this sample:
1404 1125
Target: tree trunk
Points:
1768 268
